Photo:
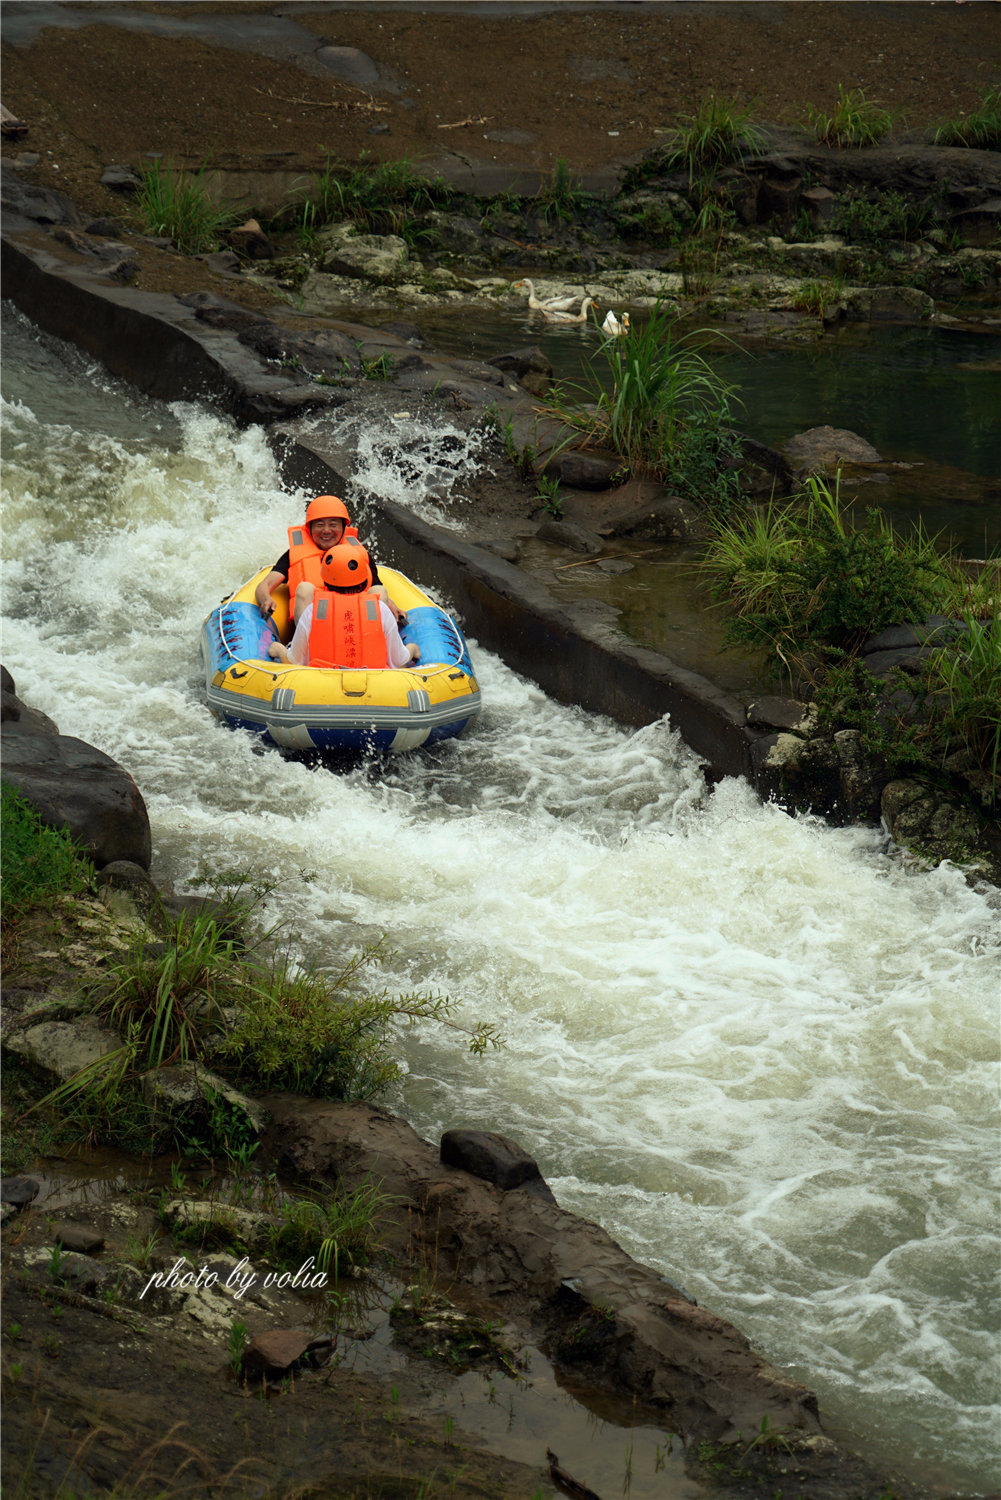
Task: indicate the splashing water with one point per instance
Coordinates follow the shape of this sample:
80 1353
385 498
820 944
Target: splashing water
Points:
757 1049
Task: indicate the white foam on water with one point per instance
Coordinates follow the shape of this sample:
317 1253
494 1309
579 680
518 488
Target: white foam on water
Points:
759 1050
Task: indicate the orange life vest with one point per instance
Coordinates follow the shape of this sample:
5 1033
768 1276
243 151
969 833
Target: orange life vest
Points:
347 631
304 559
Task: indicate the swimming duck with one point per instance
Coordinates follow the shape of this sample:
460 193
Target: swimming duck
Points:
551 304
551 315
614 327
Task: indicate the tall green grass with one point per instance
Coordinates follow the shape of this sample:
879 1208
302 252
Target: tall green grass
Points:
965 699
802 579
719 132
381 197
854 121
173 204
980 130
657 402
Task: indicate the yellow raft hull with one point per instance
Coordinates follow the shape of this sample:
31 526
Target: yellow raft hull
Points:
321 708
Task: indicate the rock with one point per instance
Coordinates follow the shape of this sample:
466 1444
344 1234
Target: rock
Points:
821 204
220 260
16 717
408 332
663 518
62 1048
79 788
239 1223
79 1238
583 471
325 352
127 889
20 199
777 713
251 242
929 821
979 224
274 1355
568 534
529 366
355 67
121 179
190 1088
374 257
859 776
494 1158
827 447
936 629
18 1191
80 1273
889 304
486 374
763 471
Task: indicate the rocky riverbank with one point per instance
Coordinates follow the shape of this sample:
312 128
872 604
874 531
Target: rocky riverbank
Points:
468 1265
105 1361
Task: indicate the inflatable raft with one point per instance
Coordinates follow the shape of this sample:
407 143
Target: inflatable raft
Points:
390 709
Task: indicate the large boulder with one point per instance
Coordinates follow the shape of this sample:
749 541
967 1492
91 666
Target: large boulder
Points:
73 786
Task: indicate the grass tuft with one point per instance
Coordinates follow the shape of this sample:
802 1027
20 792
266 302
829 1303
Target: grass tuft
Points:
980 130
173 204
658 403
719 132
854 121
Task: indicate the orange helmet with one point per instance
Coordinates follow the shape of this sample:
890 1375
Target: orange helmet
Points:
346 568
327 507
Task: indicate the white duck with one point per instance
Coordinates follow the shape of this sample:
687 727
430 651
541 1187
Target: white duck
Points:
613 327
552 316
551 304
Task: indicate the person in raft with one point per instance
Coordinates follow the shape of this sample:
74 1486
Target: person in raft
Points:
344 622
326 525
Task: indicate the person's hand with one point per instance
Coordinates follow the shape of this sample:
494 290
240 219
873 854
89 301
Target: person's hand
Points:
277 651
266 607
415 651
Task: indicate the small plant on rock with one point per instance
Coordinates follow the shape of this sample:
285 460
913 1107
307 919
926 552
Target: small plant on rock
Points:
854 121
548 495
180 207
980 130
719 132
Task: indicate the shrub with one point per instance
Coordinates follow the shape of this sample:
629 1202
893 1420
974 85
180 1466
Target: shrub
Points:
717 133
854 121
872 219
561 195
171 203
804 581
980 129
39 862
380 197
964 704
195 998
658 403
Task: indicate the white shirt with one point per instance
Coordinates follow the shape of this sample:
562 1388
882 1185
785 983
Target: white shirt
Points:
399 654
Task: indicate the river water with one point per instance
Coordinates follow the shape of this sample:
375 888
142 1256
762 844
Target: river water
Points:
760 1051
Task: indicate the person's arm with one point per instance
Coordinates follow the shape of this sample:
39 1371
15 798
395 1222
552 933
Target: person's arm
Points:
297 654
400 654
267 586
264 590
398 614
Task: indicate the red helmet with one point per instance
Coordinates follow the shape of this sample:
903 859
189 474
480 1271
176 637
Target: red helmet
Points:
346 568
327 507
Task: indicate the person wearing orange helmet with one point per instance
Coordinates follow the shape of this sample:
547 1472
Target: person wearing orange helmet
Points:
345 623
326 525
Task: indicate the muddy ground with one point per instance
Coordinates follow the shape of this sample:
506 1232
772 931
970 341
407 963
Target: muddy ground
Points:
249 86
